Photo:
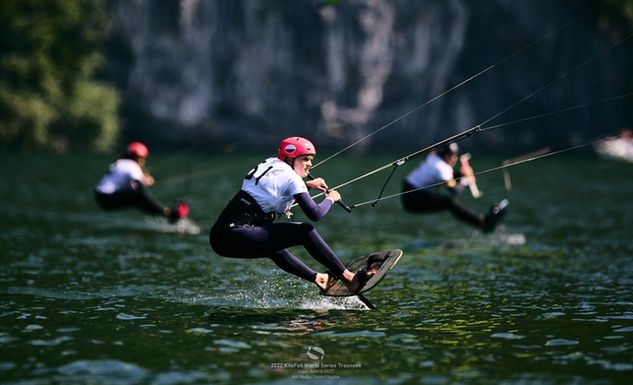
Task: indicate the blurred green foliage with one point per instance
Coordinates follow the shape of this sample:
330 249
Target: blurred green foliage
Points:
621 8
626 6
50 51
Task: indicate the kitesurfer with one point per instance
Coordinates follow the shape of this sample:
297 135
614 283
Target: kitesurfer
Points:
245 228
432 187
126 185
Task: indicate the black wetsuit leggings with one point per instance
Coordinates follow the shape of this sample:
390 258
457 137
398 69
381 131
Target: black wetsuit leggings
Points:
422 201
272 241
136 196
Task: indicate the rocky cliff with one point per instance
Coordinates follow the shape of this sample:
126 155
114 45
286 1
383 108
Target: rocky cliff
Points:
253 71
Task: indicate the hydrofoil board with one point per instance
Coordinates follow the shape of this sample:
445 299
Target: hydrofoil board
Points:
380 263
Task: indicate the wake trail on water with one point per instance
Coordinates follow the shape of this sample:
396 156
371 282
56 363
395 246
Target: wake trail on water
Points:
183 226
254 298
279 296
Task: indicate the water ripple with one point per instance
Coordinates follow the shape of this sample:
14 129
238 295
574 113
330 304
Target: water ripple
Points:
105 371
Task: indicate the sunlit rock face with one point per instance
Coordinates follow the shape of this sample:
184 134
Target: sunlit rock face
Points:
408 72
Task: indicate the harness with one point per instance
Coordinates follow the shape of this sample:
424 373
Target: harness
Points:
243 210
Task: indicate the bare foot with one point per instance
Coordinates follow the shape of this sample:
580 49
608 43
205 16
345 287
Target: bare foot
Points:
348 275
361 277
321 280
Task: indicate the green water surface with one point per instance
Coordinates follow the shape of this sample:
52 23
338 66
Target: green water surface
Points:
89 297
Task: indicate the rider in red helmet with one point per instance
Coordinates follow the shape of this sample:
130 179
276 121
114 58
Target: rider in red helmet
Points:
126 184
245 228
138 150
294 146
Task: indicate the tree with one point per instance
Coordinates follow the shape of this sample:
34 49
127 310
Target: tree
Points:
49 53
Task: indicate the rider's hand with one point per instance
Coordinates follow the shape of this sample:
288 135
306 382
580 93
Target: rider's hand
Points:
333 195
317 184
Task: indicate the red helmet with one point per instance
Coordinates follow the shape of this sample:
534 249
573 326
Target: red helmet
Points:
295 146
137 149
